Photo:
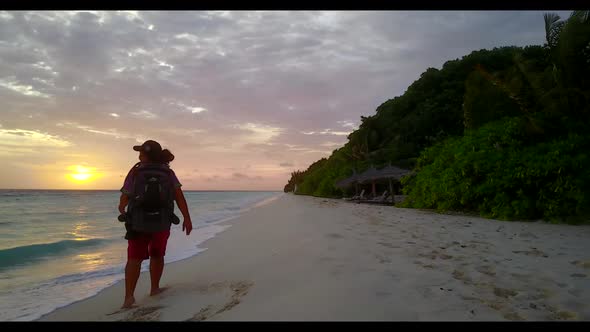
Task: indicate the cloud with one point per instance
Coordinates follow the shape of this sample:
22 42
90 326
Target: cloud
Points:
30 138
197 109
26 90
145 114
109 132
192 109
226 88
240 177
259 133
347 124
331 144
286 164
327 132
213 178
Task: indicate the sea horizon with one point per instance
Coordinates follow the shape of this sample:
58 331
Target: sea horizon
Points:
184 190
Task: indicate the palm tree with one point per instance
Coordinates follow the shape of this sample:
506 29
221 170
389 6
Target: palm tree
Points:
553 27
568 42
566 39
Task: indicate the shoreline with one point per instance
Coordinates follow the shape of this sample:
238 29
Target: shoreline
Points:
306 258
226 223
119 277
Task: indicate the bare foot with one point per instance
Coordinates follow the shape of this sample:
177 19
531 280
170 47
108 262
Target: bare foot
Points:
158 291
128 303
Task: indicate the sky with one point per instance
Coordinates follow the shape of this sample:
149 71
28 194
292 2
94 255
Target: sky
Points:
241 98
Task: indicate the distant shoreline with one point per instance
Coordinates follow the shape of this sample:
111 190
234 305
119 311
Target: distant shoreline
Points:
184 190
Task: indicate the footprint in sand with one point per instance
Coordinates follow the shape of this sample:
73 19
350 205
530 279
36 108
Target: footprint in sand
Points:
445 256
564 315
144 314
426 266
431 256
461 276
382 259
238 289
335 236
527 235
388 245
575 292
513 316
486 269
504 292
521 277
206 312
582 264
534 253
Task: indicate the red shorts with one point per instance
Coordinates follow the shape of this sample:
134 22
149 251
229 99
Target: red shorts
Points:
148 245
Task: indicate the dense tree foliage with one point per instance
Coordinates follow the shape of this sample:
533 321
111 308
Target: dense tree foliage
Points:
501 132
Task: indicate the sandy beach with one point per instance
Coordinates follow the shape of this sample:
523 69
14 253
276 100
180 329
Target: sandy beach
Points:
301 258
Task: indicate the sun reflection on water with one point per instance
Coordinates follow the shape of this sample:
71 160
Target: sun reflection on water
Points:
78 231
91 262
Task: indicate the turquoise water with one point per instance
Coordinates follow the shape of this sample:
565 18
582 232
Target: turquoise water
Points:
58 247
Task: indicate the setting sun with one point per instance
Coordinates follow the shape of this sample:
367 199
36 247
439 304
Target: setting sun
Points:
81 173
81 177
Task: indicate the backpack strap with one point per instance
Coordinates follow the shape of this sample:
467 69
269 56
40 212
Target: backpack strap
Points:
134 169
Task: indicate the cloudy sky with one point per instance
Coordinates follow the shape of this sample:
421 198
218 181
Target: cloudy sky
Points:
241 98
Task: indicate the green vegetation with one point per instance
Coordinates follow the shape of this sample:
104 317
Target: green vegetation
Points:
499 173
500 132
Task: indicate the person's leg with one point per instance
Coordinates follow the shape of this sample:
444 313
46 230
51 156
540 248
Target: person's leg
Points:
137 251
156 270
157 250
132 271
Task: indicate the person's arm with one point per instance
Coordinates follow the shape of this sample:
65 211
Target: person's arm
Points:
123 203
126 189
181 202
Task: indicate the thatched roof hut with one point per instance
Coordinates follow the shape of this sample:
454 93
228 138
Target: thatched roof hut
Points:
345 183
388 172
373 174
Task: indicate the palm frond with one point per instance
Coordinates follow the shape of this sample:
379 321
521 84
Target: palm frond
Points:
550 19
553 27
582 15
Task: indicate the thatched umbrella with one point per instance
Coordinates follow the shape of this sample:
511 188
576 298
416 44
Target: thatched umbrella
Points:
388 172
345 183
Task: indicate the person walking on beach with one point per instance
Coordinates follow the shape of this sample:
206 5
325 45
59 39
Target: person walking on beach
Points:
149 190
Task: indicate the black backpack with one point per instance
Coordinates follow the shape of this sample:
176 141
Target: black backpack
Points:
151 202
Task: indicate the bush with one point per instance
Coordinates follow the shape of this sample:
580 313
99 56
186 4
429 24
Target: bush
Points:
496 172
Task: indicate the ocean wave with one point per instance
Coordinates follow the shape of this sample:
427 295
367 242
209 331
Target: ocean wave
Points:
31 253
83 276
